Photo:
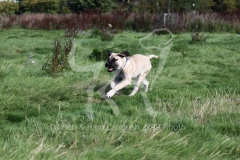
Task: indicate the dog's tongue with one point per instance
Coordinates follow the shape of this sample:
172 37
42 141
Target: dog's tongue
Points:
110 69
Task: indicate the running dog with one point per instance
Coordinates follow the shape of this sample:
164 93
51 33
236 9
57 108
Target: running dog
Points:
127 67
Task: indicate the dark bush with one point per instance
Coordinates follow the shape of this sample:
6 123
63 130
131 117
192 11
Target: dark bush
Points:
96 33
99 54
237 30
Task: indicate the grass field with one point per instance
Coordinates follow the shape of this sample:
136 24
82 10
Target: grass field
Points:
196 98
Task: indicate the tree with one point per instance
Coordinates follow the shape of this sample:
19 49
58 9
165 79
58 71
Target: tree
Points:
21 8
153 6
230 5
8 8
203 5
40 6
63 7
175 5
186 5
80 5
226 5
238 4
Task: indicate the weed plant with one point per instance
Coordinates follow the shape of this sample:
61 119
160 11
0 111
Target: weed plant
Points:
107 34
59 59
197 36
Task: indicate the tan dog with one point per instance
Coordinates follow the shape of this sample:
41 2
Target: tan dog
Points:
127 68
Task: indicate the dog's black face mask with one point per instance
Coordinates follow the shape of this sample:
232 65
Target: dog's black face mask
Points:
112 63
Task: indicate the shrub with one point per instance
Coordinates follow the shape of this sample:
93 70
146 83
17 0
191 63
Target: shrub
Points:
96 33
59 60
197 36
99 54
107 35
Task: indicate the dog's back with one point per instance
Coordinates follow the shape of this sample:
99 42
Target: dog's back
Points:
141 63
139 59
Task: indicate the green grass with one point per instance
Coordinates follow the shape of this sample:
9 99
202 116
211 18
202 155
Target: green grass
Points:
196 97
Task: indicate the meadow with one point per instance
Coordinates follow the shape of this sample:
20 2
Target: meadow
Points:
195 98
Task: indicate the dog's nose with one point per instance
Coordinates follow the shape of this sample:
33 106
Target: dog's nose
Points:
107 64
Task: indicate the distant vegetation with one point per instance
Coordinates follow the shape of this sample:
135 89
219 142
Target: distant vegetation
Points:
205 15
122 20
136 6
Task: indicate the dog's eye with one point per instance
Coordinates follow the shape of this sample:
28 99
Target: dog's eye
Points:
114 59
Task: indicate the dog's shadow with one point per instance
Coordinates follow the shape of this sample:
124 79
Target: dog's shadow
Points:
103 87
125 91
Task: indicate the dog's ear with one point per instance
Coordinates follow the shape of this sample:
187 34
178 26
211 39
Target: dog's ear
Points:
124 54
109 52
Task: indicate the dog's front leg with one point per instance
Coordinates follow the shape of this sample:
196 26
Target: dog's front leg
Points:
114 83
119 86
117 79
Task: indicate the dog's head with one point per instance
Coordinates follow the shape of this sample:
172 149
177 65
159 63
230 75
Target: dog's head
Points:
115 60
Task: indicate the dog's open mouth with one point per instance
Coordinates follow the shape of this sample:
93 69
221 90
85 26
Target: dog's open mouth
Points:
111 69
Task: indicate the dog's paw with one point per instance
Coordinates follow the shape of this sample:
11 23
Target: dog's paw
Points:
132 94
110 93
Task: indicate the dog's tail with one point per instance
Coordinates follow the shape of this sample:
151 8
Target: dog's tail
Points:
152 56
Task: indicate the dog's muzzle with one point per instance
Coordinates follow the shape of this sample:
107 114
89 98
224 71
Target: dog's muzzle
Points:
111 65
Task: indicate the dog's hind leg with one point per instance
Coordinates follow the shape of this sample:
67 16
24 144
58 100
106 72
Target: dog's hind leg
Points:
139 81
145 83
